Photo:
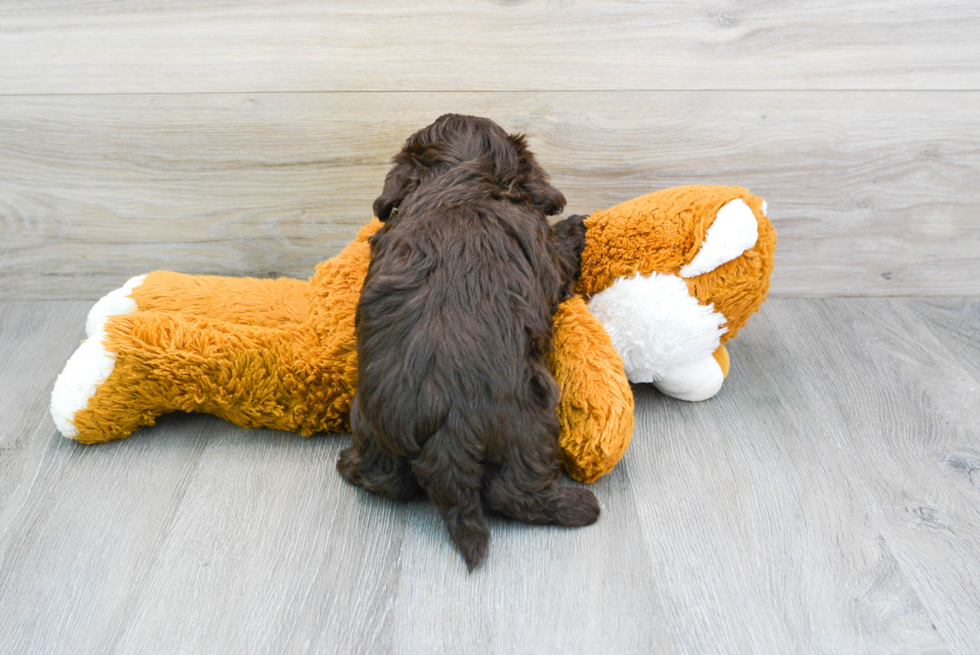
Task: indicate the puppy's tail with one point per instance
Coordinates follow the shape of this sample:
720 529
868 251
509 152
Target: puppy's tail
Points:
452 478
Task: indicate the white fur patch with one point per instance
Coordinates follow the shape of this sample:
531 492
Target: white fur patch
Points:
693 381
91 363
656 324
765 209
85 370
112 304
734 231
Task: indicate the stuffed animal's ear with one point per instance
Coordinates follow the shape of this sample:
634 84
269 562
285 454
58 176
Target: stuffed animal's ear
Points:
534 180
570 242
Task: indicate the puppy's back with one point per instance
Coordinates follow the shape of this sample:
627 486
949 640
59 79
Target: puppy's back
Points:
454 330
451 312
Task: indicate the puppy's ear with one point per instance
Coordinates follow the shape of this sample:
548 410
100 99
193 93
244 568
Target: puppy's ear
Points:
401 180
421 153
534 180
549 200
569 243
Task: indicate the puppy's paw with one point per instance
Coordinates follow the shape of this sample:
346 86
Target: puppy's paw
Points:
347 465
574 507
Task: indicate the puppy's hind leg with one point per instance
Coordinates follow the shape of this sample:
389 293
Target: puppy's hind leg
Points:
452 477
525 487
367 465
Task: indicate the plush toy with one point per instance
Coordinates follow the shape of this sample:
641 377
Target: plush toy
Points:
665 280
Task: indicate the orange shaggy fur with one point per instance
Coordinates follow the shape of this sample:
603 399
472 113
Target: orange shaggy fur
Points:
281 353
659 232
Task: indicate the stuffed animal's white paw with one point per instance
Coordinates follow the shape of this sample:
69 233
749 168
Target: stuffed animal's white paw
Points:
85 370
693 381
112 304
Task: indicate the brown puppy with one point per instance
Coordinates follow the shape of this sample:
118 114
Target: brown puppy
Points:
453 335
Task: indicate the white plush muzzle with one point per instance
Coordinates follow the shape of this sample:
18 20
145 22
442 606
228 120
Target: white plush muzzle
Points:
656 324
664 335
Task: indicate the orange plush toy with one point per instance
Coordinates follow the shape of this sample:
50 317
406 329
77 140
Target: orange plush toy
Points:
665 280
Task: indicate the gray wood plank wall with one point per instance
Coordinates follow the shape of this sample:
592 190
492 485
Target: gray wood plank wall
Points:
250 138
146 46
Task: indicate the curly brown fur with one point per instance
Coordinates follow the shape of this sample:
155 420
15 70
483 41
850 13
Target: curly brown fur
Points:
569 243
454 332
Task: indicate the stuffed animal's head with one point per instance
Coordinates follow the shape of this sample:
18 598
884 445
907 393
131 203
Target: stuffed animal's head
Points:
674 274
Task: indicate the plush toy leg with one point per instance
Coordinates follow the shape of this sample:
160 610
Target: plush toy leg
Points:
698 380
244 300
724 361
596 406
149 363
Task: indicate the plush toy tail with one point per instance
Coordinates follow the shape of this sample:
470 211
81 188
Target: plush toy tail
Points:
149 363
271 353
245 300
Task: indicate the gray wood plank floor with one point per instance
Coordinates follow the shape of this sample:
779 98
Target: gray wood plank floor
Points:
826 501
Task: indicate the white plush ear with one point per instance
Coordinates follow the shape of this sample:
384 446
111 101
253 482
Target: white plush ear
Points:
734 231
656 324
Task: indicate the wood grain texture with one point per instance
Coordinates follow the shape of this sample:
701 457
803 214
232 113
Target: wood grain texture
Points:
871 193
28 332
955 323
769 541
60 46
824 501
904 416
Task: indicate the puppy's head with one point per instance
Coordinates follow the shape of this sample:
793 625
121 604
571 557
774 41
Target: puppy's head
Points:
453 140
